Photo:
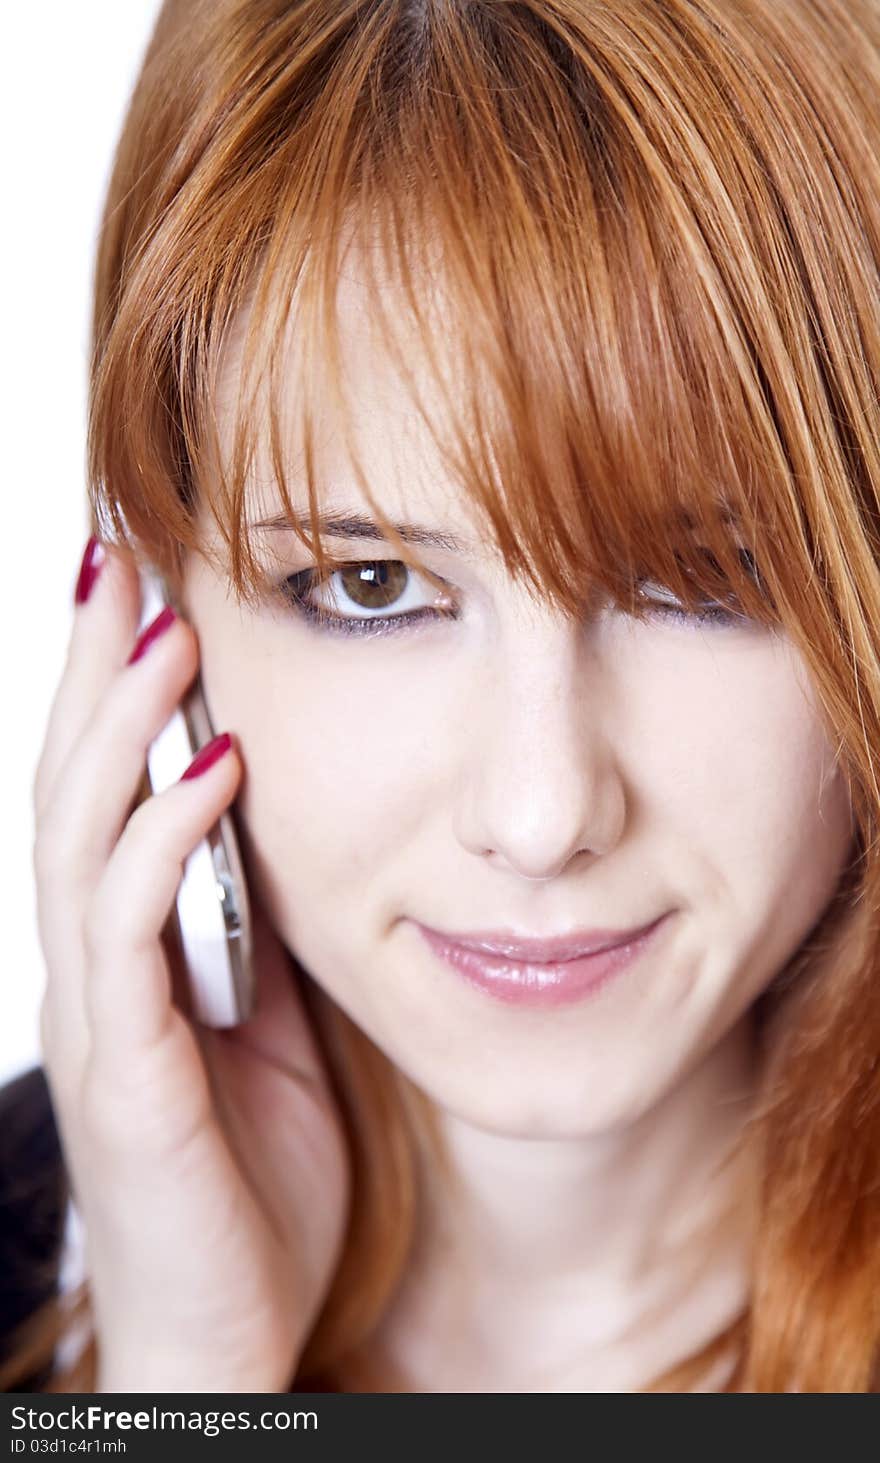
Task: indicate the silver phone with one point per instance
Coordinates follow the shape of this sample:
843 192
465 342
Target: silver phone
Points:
213 920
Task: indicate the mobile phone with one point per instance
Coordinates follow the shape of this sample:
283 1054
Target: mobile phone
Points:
212 912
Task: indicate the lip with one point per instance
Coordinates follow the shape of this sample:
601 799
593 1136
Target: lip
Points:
539 951
487 960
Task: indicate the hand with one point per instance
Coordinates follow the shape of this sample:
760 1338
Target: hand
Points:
209 1166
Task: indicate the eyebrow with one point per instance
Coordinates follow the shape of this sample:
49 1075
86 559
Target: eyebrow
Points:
350 524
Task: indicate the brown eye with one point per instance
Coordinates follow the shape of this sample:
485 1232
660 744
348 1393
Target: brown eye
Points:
376 585
353 598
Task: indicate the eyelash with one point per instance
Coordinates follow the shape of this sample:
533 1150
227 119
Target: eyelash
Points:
296 587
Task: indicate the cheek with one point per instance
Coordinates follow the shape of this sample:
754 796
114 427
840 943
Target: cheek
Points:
740 772
333 778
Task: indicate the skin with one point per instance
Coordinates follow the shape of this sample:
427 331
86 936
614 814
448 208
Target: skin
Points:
511 769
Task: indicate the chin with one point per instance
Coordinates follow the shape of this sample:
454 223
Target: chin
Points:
533 1114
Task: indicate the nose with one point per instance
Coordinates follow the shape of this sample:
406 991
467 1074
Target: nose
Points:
540 783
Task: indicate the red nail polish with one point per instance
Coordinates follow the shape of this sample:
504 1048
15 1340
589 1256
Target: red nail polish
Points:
157 627
210 753
92 560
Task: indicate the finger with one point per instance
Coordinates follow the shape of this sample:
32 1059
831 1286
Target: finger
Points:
79 828
103 630
87 810
128 985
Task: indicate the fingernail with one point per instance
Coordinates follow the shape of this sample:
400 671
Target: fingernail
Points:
209 754
92 560
157 627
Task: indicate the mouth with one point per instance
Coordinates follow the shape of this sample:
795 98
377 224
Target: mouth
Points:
544 949
505 975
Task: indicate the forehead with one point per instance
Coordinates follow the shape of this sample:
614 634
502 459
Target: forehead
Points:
400 451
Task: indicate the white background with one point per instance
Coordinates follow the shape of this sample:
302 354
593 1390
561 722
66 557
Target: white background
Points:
68 74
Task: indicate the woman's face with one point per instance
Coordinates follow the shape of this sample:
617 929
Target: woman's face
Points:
509 769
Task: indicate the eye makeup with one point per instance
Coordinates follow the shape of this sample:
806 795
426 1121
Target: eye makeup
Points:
298 591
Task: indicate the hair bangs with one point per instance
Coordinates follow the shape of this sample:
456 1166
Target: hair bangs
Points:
607 423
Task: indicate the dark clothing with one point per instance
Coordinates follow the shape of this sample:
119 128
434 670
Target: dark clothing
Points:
33 1203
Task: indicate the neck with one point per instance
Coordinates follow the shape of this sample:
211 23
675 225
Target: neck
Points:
587 1264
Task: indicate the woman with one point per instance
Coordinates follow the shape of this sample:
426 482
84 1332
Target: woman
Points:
571 312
